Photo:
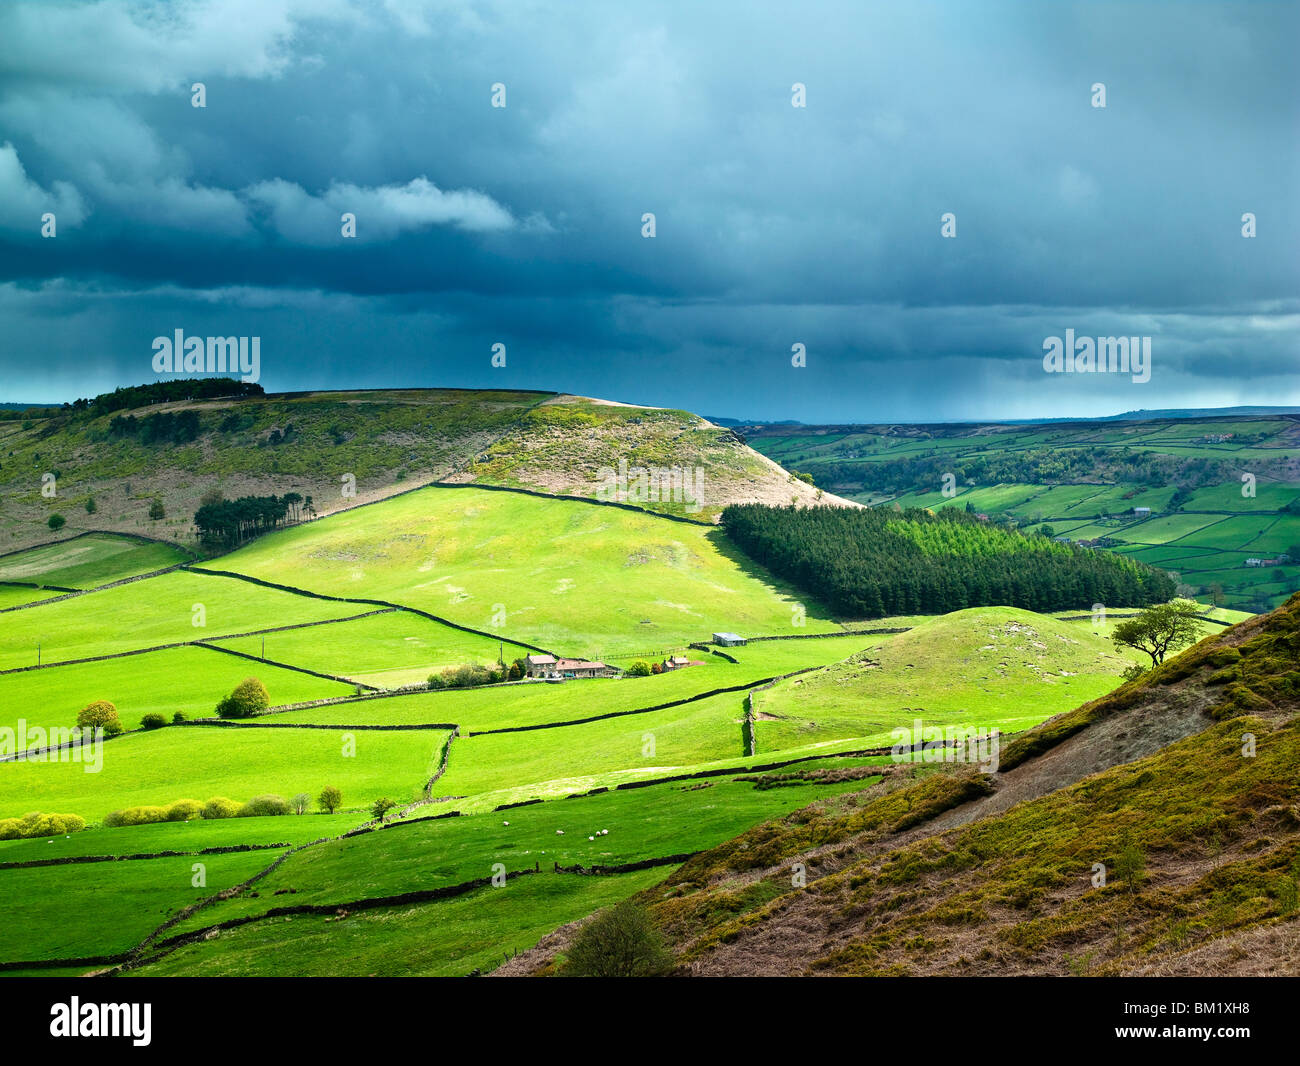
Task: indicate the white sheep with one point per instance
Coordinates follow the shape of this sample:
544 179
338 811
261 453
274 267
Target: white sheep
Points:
559 832
505 823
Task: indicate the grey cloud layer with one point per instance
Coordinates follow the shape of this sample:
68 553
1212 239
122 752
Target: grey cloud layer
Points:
775 224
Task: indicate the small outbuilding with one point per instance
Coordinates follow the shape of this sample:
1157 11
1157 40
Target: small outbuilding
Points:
728 640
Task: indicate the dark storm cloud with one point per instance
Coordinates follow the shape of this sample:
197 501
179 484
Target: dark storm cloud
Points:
776 225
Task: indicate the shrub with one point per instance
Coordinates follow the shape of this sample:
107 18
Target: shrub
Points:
136 816
220 807
1131 864
640 668
619 942
300 803
56 522
381 807
249 698
36 824
100 714
466 676
184 811
179 717
153 721
264 806
329 799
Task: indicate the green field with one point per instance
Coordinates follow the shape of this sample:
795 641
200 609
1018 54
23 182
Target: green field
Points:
90 561
198 762
16 595
384 650
991 668
54 912
145 615
190 680
187 837
450 939
574 577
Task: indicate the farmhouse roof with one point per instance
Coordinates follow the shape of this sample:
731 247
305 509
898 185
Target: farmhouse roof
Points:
541 660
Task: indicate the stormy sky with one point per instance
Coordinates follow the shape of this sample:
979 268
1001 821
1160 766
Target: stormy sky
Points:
775 225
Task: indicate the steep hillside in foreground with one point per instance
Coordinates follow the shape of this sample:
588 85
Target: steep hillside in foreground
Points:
370 444
1180 786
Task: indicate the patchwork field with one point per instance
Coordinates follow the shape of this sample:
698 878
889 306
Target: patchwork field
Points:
187 680
538 779
138 616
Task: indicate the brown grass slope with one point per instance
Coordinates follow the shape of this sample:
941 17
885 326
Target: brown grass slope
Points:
944 870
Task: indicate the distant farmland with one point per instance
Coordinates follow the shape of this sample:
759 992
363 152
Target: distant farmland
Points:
1218 491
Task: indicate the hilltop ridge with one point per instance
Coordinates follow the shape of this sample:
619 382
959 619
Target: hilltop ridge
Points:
343 448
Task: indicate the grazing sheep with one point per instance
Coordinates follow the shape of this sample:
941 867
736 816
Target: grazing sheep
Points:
559 832
505 823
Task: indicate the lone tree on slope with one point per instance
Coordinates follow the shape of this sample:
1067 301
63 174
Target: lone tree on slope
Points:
1159 630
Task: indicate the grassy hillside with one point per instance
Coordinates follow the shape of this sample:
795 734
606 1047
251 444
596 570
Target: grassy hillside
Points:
983 667
1084 480
944 870
577 577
